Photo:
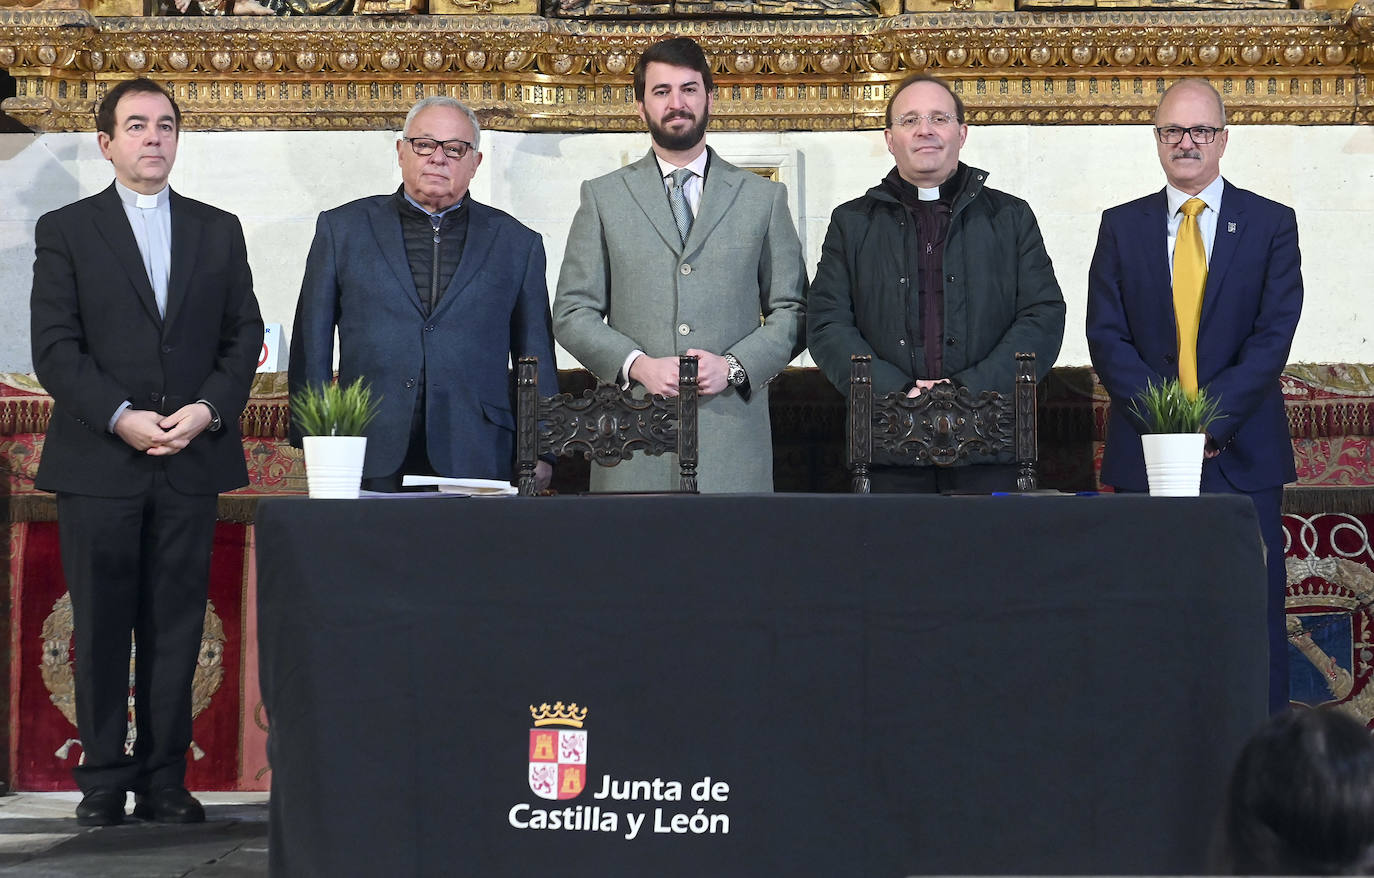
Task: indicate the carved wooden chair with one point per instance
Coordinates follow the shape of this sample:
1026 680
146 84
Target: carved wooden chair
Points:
941 427
605 424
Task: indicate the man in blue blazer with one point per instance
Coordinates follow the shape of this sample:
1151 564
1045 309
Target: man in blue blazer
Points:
432 294
1249 311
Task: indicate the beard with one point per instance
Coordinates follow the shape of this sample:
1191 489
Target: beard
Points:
678 142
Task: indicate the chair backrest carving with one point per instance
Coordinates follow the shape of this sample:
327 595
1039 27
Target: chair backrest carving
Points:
943 426
605 424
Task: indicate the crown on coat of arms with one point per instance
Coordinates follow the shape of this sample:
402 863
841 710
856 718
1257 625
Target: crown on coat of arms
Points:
558 715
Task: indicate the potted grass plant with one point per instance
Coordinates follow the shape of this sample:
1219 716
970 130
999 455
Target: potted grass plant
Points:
332 420
1175 436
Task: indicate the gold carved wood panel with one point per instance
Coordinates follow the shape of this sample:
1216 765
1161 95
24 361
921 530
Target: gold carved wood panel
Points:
531 73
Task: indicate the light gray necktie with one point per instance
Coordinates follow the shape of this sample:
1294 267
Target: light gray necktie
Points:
677 200
155 260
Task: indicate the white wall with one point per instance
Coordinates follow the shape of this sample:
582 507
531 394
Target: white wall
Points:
278 181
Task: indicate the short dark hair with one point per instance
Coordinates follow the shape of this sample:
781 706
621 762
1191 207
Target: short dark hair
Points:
105 112
677 51
1301 799
912 80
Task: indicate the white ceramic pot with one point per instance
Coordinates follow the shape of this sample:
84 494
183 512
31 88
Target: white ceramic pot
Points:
334 466
1173 463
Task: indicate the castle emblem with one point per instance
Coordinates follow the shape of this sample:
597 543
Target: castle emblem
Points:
558 751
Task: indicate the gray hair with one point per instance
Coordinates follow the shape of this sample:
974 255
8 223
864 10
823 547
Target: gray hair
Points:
450 103
1195 82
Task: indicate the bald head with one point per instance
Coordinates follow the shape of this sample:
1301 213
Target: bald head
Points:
1191 115
1194 86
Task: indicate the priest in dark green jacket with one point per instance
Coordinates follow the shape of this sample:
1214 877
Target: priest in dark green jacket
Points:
937 278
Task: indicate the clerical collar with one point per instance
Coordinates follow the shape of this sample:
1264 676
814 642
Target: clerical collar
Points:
909 194
138 199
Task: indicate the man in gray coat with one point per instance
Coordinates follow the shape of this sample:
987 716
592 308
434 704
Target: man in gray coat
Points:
682 253
432 294
937 277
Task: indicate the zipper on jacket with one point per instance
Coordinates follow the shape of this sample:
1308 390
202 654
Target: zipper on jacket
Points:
434 265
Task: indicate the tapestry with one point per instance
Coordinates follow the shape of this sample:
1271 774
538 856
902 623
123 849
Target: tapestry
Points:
43 741
1330 626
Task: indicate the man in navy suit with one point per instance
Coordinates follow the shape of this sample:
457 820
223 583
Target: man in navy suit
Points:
432 294
1249 311
146 333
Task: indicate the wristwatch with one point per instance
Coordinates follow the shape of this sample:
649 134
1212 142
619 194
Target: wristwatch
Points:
735 373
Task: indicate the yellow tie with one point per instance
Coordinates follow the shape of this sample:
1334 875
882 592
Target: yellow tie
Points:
1190 279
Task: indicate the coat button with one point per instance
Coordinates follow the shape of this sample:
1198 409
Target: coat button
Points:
166 349
429 328
410 382
685 269
951 340
901 280
901 342
949 279
154 398
683 329
1169 358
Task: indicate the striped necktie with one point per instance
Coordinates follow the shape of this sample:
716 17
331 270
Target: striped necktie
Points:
1190 279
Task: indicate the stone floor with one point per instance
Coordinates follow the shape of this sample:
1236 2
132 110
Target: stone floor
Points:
39 838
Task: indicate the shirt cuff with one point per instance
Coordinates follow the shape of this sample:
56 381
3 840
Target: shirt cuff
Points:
119 411
625 368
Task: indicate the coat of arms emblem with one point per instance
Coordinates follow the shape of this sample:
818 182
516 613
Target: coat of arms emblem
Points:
558 756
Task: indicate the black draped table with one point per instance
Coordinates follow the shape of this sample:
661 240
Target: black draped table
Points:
810 685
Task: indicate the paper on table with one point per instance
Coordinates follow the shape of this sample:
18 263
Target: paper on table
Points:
465 487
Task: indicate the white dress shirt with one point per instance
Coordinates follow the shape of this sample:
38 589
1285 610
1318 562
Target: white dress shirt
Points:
1206 221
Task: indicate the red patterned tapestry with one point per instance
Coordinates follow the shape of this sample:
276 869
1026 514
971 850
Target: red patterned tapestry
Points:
43 741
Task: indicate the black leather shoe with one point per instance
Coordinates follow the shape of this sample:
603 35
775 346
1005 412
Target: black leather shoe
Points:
101 808
168 805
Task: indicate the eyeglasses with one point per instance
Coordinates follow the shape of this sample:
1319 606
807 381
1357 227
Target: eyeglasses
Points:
936 120
1172 135
454 149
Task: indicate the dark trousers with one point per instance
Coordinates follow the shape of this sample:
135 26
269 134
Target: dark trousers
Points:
971 479
136 566
416 462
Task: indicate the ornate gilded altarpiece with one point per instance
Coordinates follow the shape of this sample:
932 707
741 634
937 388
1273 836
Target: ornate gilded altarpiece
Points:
809 65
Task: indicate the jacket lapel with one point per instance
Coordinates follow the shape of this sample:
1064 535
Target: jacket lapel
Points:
113 226
1224 245
722 185
186 236
386 230
646 186
1153 234
480 237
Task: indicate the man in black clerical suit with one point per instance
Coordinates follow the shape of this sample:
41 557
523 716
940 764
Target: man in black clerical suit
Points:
146 333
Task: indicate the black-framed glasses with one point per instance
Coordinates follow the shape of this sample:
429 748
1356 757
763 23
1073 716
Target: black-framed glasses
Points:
1172 135
936 120
454 149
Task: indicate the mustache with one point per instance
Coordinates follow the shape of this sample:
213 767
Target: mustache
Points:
678 114
1187 154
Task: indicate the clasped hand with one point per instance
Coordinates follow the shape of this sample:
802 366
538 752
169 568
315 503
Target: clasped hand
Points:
159 436
659 374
